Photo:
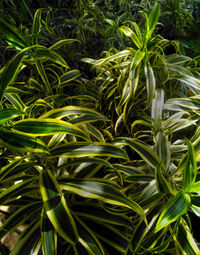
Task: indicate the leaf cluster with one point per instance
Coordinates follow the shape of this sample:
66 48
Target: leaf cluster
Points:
100 166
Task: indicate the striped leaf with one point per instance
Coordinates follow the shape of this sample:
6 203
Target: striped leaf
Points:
95 132
190 170
186 242
174 209
195 140
12 35
36 26
131 85
129 32
178 69
15 190
5 170
42 73
101 190
177 59
141 230
120 54
163 148
136 27
83 149
151 200
10 71
190 81
157 104
42 53
16 101
154 16
68 77
162 183
49 241
13 90
56 207
179 104
85 119
15 169
145 152
17 142
43 127
154 238
150 83
9 114
138 57
71 110
61 43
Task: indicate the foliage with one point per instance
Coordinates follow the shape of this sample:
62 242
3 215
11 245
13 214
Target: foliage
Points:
107 164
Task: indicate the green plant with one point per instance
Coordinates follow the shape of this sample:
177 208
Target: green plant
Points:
98 166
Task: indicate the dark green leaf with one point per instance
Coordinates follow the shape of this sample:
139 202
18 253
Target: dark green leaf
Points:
101 190
12 35
175 207
56 207
17 142
8 114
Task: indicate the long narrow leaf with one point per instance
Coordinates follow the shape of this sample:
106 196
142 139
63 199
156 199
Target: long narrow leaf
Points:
150 83
187 244
176 207
56 207
146 153
10 71
8 114
17 142
190 170
71 110
42 127
49 241
12 35
100 190
83 149
36 26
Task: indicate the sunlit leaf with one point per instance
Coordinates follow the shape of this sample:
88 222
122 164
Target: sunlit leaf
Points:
42 127
10 71
56 207
36 26
83 149
175 207
8 114
151 83
101 190
186 242
12 35
17 142
190 170
49 240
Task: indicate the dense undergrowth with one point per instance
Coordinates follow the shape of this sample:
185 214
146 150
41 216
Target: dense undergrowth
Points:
99 126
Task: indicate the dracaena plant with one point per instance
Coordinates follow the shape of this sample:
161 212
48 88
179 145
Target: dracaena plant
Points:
45 179
165 183
78 187
58 165
128 78
49 72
